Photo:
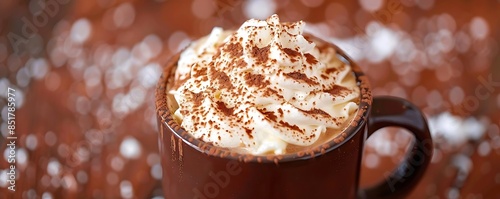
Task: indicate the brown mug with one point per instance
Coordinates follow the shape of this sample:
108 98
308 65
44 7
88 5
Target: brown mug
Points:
195 169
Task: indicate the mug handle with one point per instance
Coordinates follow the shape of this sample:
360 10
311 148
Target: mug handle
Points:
393 111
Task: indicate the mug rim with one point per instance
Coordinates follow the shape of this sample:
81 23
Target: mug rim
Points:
356 124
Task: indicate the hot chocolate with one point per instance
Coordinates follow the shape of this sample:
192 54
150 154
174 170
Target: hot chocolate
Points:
248 114
263 89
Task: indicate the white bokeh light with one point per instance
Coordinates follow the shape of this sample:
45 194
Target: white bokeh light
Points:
259 9
456 95
130 148
203 8
479 28
126 189
124 15
371 5
372 160
81 30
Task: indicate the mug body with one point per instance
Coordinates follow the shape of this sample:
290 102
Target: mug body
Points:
189 172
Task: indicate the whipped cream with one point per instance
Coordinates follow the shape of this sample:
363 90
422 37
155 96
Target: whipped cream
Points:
262 87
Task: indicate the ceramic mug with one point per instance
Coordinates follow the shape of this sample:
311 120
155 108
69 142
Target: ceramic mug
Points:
194 169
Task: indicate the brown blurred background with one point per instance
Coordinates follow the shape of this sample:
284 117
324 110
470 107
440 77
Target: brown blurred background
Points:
84 74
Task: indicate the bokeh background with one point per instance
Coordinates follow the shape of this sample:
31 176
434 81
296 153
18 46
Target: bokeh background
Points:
84 72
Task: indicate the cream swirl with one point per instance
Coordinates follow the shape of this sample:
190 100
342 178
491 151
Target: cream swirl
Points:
262 87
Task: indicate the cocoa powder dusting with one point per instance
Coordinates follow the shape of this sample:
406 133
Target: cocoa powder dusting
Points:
290 52
316 111
280 111
235 49
249 133
197 98
270 115
269 92
337 90
200 71
184 112
310 59
222 77
293 127
256 80
330 70
261 54
240 63
224 109
301 77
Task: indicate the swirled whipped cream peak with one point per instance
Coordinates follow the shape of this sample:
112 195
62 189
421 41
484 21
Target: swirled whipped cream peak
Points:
263 88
